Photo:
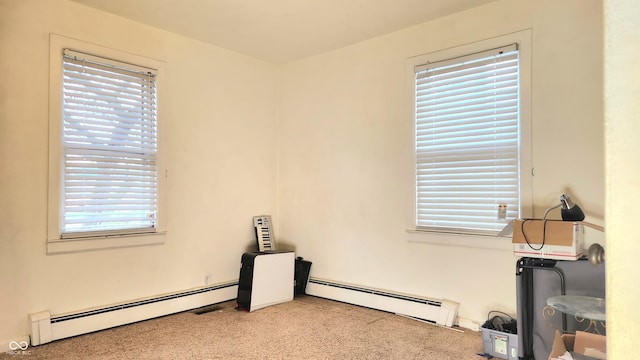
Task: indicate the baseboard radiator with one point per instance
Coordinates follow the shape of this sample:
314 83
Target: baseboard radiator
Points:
46 327
441 312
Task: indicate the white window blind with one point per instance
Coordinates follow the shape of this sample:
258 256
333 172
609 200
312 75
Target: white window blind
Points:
109 144
467 142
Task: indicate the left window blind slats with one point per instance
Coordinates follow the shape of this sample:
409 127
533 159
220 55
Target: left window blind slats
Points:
110 147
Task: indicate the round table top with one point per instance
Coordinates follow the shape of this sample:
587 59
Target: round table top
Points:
585 307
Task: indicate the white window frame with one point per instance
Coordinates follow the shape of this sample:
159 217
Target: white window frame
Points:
523 39
55 242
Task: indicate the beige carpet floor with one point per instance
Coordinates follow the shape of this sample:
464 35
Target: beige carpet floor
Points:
306 328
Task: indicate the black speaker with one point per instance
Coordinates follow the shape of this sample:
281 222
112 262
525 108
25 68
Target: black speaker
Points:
301 274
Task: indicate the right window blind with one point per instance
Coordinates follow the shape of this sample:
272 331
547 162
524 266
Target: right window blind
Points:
467 114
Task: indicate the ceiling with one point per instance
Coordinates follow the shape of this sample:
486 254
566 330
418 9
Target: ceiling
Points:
280 31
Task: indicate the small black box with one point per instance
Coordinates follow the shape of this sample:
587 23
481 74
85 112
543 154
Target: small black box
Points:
301 274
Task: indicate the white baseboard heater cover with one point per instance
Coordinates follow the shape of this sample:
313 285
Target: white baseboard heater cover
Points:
441 312
46 327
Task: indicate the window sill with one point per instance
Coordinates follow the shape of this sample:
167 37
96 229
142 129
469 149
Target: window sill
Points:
66 246
462 240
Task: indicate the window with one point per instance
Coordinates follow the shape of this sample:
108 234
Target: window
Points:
469 143
109 142
107 152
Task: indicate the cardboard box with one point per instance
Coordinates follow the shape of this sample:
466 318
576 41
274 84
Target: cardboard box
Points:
563 240
593 346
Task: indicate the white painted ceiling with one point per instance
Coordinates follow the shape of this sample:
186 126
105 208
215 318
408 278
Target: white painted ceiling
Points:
281 31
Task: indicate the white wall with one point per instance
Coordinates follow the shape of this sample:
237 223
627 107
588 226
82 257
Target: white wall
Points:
622 91
220 113
344 154
345 150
